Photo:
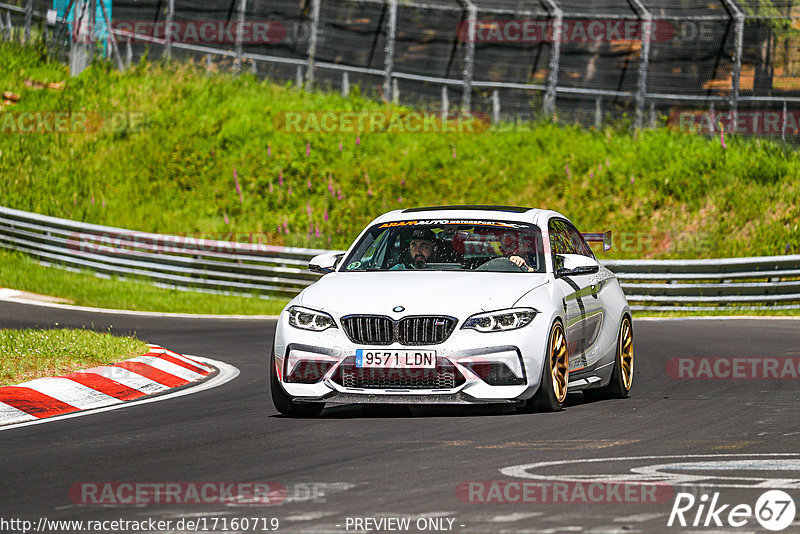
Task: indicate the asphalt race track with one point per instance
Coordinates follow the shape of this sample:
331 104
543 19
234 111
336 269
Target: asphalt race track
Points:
380 462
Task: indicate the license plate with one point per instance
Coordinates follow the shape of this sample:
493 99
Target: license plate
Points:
396 359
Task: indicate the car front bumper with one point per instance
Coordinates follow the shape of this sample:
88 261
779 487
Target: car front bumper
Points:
521 351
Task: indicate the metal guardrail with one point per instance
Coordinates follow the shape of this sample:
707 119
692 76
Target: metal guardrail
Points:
761 283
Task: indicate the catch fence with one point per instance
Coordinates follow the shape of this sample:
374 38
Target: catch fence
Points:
699 65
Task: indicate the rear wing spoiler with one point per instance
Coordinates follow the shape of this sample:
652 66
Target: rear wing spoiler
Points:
604 238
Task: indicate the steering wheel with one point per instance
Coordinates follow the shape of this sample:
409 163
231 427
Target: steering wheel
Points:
503 265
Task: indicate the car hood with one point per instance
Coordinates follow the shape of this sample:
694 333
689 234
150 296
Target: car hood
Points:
445 293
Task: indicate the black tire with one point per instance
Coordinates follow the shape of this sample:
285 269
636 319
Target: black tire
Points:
547 399
619 386
283 401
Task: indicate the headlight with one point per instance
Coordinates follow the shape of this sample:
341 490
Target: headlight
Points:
501 320
307 319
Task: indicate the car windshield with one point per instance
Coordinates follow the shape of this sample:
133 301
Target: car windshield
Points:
449 245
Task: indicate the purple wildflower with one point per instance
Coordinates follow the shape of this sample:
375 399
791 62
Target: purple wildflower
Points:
290 190
225 216
340 146
566 170
339 194
280 178
325 215
369 192
400 199
92 199
238 189
454 152
358 140
308 183
308 208
308 149
270 187
269 150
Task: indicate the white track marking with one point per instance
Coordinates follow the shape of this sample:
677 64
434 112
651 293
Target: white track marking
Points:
71 392
6 293
511 518
227 373
161 350
168 367
10 415
639 518
310 516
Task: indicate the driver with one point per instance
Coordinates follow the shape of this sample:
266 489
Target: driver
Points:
421 246
510 247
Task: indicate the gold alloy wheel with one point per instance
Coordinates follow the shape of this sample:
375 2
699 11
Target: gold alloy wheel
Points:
559 363
626 353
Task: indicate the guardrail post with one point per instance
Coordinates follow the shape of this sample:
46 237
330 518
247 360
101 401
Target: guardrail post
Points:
555 59
641 88
388 50
168 27
240 15
469 55
28 19
312 43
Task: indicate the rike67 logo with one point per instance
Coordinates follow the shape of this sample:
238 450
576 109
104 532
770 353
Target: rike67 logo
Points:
774 510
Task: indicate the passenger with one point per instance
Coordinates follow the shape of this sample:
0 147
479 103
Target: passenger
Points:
421 249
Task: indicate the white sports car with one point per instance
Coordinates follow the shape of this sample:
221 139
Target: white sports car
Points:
456 304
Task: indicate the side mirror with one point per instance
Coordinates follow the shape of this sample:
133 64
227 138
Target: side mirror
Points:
324 263
574 264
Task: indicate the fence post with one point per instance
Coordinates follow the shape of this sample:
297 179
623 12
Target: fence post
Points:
445 101
783 123
312 43
168 28
641 88
28 18
395 92
555 59
388 50
298 77
240 14
495 106
598 112
469 54
737 70
345 84
111 37
78 57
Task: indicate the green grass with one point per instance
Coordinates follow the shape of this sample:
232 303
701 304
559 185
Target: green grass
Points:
18 271
664 193
35 353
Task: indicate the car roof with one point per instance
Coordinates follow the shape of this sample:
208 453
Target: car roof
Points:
471 212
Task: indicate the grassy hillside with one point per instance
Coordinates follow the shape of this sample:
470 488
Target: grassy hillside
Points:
206 159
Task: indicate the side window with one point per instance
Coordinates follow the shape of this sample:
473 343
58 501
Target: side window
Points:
559 238
566 239
577 243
